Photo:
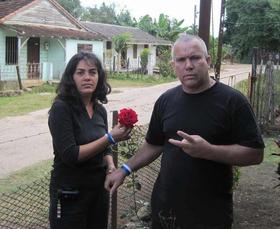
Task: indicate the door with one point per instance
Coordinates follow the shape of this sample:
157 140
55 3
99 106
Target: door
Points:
33 58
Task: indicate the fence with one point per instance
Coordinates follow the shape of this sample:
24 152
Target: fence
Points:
264 92
127 65
28 71
27 207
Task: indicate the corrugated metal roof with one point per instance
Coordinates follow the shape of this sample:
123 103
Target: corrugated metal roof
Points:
138 35
53 32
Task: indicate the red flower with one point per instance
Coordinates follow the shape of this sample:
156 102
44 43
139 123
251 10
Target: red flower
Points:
127 117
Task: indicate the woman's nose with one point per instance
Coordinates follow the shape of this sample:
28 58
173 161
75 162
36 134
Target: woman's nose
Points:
87 76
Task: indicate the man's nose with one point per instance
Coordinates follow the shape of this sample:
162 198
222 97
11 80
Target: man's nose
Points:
188 63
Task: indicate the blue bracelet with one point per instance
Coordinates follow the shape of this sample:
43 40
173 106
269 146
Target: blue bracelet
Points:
126 169
110 138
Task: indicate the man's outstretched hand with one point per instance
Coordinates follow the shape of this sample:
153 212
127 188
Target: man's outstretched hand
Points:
114 180
194 145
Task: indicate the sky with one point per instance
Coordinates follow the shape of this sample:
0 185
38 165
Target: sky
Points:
178 9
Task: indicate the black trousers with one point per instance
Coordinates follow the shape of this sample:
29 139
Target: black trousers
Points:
78 209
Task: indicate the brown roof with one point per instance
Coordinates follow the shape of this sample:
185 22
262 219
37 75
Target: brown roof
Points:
50 31
138 35
9 6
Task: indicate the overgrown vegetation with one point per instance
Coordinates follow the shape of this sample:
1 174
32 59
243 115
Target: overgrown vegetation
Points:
252 23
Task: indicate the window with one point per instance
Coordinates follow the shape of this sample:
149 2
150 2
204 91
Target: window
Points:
11 50
108 45
84 48
146 46
134 51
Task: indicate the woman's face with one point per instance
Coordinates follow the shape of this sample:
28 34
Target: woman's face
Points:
86 77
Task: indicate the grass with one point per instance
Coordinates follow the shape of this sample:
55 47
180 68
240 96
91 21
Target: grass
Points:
42 96
25 103
271 147
25 176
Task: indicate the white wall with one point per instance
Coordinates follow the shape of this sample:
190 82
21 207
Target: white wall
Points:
71 48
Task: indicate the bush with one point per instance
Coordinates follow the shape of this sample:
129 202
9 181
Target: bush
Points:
144 59
165 68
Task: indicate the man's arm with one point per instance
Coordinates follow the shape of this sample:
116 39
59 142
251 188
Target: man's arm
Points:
144 156
235 154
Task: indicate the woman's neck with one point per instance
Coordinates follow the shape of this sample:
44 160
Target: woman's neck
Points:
86 100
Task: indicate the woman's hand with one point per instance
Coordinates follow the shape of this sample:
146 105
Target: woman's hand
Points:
120 132
110 169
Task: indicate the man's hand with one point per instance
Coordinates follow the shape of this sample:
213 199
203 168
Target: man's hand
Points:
194 145
114 180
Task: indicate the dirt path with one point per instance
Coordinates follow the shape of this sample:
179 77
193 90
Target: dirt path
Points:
256 202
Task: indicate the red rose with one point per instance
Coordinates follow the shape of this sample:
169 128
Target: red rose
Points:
127 117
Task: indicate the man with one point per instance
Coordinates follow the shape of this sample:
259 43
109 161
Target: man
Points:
201 128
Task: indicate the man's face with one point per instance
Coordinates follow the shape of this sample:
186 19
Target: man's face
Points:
191 66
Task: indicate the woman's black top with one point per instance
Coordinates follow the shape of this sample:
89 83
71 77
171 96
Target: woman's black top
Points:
70 129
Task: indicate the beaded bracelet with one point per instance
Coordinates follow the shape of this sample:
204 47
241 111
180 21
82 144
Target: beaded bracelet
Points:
110 138
126 169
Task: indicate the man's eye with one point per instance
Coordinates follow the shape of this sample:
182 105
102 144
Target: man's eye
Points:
194 58
181 59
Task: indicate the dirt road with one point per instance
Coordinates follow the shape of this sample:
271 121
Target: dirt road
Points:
25 140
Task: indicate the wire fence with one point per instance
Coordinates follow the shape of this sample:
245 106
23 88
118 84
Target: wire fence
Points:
27 206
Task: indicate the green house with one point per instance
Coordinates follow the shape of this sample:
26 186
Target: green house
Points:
38 37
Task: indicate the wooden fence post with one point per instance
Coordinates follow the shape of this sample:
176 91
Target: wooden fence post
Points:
114 203
19 79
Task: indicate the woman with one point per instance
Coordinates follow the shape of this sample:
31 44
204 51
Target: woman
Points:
78 125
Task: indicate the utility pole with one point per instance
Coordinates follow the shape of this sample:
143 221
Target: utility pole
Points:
194 20
204 21
220 42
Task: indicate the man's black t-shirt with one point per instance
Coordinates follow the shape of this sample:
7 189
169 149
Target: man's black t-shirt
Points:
199 190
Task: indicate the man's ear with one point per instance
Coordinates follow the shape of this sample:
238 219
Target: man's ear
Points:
172 63
209 60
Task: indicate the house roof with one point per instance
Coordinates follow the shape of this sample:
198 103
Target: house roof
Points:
53 32
138 35
11 8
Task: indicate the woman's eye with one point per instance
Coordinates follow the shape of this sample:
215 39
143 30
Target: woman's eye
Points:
92 72
80 73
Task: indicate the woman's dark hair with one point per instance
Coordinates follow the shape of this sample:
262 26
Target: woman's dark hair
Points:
67 90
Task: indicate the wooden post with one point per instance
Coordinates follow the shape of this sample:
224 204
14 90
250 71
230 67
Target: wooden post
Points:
114 63
114 200
220 42
204 21
19 79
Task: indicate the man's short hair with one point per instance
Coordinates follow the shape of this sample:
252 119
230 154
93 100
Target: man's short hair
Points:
188 38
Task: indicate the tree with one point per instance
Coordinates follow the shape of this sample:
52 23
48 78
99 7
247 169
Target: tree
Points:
72 6
103 14
146 24
169 29
107 14
124 18
252 23
120 45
